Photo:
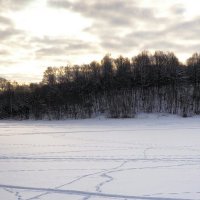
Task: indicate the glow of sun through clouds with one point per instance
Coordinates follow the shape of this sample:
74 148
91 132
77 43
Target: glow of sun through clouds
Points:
40 20
36 34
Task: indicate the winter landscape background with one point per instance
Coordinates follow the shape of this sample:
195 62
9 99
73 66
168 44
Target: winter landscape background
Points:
99 100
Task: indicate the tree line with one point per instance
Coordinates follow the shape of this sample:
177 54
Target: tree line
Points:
117 88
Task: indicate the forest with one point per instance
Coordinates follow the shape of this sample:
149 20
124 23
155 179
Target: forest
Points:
114 87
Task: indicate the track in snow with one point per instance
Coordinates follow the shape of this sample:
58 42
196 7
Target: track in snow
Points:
149 158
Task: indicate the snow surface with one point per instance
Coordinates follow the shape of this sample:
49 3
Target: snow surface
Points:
149 157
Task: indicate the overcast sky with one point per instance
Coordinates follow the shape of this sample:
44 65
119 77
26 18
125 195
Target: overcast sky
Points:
35 34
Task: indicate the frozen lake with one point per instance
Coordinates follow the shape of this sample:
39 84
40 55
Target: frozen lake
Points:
149 157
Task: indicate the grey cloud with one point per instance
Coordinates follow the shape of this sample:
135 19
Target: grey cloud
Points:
70 44
193 24
6 5
122 44
5 21
162 45
9 32
181 30
119 25
178 9
147 35
59 4
111 18
184 30
79 45
5 62
48 40
179 37
53 51
172 46
112 12
4 52
7 29
61 47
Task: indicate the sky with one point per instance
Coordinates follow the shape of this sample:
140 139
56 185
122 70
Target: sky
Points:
35 34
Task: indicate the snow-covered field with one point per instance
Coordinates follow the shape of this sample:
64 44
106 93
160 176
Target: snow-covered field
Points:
150 157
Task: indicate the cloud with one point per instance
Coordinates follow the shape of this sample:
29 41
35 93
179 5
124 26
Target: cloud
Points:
8 30
4 52
11 40
112 12
187 30
6 5
5 63
113 20
9 33
49 52
178 9
61 47
125 25
5 21
115 26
